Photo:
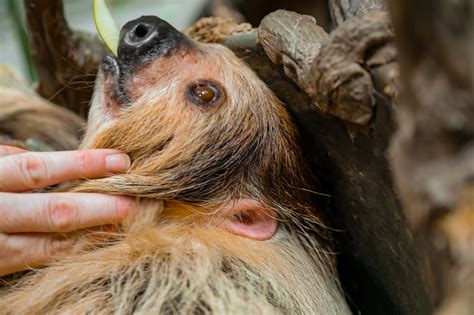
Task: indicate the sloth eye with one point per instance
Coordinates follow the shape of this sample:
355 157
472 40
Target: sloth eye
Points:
204 92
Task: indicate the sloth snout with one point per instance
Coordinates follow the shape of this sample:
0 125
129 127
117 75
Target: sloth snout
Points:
147 37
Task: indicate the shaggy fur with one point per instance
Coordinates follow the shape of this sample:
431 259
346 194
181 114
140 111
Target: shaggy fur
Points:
189 163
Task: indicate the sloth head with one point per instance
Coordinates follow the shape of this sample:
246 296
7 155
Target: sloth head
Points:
201 128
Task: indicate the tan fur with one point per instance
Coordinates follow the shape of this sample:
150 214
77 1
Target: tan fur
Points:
189 162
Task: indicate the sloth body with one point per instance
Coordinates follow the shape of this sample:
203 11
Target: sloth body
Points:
226 222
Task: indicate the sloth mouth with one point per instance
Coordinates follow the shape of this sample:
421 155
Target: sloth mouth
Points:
115 79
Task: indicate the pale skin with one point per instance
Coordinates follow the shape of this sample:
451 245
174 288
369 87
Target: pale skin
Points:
34 227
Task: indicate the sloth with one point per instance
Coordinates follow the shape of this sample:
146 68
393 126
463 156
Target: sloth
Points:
227 221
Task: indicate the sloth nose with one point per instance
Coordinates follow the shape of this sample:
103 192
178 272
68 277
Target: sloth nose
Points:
146 37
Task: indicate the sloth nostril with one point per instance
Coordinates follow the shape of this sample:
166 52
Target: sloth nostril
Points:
145 37
141 31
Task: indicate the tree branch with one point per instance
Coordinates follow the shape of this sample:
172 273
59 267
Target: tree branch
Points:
66 61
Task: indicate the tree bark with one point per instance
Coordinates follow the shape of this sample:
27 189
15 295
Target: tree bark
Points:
66 61
346 118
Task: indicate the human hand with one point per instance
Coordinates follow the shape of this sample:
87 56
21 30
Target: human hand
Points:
34 227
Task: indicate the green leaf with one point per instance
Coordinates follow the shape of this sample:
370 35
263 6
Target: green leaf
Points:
106 26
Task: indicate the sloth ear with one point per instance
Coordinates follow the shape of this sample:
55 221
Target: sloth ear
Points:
251 219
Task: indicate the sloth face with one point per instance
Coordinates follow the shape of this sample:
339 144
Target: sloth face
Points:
201 128
184 87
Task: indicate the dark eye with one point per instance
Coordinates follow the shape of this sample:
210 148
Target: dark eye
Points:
204 92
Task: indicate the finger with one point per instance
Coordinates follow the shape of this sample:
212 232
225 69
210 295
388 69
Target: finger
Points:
61 212
9 150
24 251
19 252
26 171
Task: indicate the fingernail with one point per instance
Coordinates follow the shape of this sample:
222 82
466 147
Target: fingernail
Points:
117 163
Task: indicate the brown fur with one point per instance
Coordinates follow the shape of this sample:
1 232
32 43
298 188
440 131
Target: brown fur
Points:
31 122
189 162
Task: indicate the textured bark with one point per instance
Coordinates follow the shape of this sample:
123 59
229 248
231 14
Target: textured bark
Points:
433 149
340 75
66 61
336 74
352 77
294 50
